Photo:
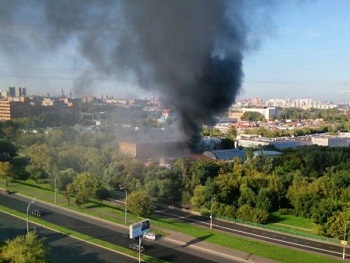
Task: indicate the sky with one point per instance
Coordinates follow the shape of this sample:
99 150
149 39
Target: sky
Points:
301 50
306 54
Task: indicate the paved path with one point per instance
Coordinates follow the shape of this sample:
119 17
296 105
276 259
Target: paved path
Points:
235 255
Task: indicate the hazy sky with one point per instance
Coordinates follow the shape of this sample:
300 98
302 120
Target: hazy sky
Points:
307 54
303 52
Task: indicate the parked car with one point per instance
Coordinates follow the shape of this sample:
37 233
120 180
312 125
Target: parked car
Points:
37 213
136 247
150 236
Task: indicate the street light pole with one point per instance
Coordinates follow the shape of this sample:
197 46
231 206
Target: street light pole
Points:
126 204
139 249
29 204
344 242
55 189
211 213
55 186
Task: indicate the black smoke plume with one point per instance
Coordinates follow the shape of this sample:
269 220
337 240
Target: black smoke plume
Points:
191 51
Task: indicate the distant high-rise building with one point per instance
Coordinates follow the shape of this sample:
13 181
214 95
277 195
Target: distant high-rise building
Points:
17 91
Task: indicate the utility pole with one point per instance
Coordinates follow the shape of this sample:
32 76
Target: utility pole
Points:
344 241
55 189
29 204
211 213
126 204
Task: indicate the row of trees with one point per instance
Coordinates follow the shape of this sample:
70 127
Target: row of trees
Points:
309 182
328 115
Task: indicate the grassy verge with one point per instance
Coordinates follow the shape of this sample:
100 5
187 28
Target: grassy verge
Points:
277 253
85 238
301 224
115 213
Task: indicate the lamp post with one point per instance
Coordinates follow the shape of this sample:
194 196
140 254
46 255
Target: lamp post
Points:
139 249
126 203
211 213
55 186
344 242
55 189
29 204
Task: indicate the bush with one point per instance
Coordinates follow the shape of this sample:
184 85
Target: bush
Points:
254 215
286 211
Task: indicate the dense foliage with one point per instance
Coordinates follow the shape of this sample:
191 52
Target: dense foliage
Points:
24 249
310 182
329 115
252 116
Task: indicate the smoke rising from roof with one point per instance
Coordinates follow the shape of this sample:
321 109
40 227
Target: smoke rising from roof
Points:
191 52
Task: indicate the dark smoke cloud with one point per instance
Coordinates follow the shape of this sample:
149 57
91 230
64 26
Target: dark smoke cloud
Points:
190 51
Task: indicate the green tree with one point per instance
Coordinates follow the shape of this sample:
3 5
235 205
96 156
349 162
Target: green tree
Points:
6 171
262 163
324 209
10 130
232 133
84 187
42 156
163 184
25 249
227 188
335 225
7 150
247 196
264 199
303 196
34 172
199 196
198 173
252 116
248 213
140 203
19 164
64 178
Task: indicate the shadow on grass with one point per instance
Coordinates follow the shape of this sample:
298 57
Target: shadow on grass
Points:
32 185
97 204
275 218
197 240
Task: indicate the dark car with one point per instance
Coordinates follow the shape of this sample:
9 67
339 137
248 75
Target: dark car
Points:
136 247
38 213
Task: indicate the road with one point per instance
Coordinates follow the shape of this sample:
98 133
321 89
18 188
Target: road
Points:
324 248
63 249
162 249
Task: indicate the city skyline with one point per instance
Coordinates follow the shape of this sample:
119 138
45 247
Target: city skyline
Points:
301 53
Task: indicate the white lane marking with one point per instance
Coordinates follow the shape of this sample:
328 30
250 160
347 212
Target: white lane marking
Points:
257 235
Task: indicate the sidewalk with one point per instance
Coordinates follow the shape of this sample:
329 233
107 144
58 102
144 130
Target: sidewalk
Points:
199 244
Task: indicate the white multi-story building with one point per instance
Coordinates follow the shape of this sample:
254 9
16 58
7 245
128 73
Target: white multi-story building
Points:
300 103
268 112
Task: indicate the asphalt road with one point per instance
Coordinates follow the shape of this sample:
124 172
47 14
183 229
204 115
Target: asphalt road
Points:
310 245
162 249
63 249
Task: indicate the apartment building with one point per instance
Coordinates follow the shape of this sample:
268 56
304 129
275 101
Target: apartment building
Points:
17 91
14 107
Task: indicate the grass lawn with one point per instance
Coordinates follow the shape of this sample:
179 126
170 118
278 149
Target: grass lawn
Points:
115 213
291 222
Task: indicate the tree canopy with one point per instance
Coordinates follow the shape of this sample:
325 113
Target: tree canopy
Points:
25 249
